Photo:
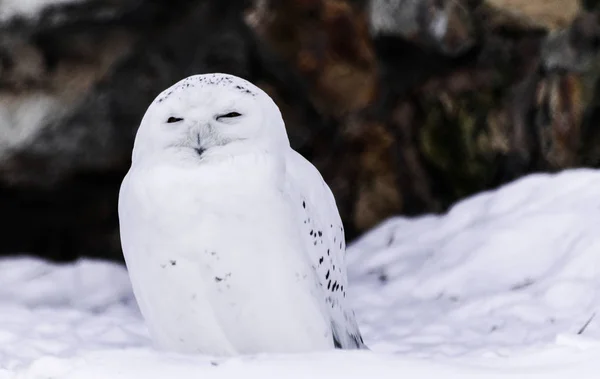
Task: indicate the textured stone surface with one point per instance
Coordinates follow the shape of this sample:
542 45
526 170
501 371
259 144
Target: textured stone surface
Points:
74 84
404 105
448 97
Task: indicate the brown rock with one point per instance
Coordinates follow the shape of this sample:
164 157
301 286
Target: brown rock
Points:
405 106
550 14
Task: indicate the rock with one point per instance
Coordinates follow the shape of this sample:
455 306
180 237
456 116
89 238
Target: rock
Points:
442 25
549 14
74 84
405 106
454 96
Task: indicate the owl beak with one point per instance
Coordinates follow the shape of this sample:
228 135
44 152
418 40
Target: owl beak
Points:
199 149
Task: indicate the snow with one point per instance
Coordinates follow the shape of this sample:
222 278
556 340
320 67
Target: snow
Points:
506 285
500 272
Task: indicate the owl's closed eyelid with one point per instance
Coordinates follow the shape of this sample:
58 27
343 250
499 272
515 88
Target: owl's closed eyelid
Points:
172 120
232 114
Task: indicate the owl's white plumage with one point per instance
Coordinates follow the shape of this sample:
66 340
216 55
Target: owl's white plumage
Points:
233 241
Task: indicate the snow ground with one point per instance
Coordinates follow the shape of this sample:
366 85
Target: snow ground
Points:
500 287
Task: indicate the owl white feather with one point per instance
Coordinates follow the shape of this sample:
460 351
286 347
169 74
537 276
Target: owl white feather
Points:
233 241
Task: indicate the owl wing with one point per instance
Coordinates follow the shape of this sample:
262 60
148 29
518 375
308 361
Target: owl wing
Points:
323 237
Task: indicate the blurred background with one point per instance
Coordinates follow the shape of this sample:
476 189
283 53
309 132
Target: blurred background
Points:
405 106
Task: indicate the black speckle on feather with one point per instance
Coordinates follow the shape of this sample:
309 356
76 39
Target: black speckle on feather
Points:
336 343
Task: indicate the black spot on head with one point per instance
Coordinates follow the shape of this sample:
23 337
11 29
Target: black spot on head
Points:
173 263
327 251
320 234
321 260
311 232
329 285
327 275
303 204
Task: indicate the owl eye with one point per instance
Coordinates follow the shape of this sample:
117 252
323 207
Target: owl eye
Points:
229 115
173 119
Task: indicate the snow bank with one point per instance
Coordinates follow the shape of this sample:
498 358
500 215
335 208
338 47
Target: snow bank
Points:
506 285
505 270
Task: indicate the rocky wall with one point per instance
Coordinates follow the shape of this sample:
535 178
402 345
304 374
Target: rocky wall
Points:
404 105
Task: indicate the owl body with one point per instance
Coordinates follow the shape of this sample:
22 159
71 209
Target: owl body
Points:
229 244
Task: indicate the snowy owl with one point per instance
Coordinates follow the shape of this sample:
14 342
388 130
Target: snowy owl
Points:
233 241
